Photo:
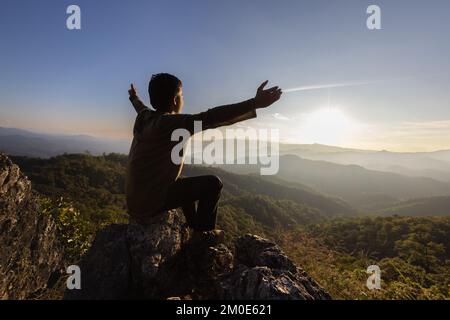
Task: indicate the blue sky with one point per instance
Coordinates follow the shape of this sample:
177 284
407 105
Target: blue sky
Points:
56 80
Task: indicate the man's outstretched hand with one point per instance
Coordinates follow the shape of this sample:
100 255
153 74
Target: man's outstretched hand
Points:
132 92
135 101
265 98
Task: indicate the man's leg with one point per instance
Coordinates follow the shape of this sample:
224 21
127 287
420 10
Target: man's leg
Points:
204 189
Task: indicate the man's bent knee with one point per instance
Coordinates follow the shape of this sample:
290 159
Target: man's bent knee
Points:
215 183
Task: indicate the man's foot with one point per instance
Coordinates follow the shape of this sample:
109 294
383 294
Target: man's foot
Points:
210 238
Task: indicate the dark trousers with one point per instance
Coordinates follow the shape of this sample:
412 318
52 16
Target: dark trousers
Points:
184 192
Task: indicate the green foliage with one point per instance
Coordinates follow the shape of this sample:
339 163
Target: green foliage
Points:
74 231
413 254
274 213
421 241
432 206
237 222
95 185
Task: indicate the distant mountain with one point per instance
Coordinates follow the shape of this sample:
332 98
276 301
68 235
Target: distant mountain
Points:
366 189
317 148
246 185
433 206
441 175
27 143
443 155
434 165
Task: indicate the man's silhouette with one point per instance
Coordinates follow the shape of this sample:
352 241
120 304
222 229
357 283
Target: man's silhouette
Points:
153 180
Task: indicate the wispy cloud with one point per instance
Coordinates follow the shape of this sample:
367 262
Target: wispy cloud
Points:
326 86
279 116
345 84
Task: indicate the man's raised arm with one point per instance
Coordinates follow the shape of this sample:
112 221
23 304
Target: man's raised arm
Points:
214 117
229 114
137 103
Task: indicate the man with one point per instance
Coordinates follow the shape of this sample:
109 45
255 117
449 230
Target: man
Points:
153 182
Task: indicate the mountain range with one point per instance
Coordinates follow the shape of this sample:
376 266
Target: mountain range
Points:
33 144
370 181
361 187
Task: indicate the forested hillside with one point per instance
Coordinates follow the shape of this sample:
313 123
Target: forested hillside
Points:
96 186
413 255
433 206
330 239
362 188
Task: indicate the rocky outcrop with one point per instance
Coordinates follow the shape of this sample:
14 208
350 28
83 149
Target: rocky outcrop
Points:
158 261
263 271
30 253
124 260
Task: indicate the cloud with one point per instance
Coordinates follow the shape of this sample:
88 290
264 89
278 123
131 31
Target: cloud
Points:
279 116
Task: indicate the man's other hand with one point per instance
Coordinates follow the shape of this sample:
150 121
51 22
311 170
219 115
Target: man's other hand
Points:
265 98
132 92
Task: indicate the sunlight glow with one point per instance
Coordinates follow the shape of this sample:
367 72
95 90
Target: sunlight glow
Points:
327 126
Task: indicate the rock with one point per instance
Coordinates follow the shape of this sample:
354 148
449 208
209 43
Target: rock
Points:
157 261
151 246
124 260
255 251
263 271
30 253
134 261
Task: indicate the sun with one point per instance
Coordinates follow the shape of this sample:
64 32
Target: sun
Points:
326 126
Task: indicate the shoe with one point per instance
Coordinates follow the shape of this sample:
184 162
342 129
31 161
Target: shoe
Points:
209 238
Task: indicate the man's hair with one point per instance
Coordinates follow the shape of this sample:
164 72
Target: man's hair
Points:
162 88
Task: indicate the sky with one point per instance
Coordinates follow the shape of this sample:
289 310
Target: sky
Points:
372 89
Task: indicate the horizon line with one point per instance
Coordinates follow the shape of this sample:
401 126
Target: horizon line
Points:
110 139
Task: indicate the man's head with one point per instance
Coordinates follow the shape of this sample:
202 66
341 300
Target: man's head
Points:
166 93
